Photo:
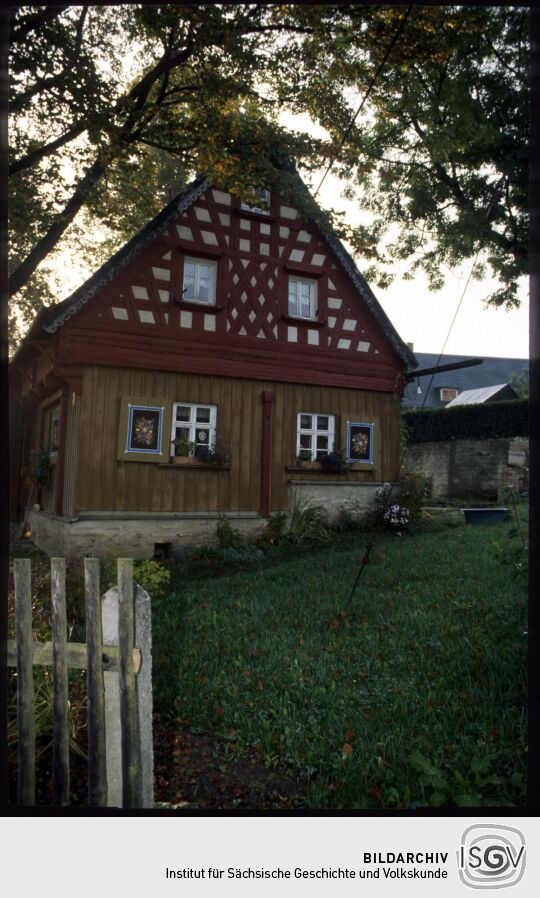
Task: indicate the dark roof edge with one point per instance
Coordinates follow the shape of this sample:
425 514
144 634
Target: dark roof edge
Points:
57 315
362 286
370 300
112 267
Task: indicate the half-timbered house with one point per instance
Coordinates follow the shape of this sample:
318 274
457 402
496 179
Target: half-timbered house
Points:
224 361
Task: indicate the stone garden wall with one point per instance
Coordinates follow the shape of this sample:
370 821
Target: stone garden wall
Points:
476 468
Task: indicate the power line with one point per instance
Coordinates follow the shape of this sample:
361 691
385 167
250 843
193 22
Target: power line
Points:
386 504
372 84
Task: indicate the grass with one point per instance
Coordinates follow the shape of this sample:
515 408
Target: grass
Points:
413 695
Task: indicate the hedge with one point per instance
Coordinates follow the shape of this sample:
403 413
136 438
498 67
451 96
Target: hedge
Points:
468 422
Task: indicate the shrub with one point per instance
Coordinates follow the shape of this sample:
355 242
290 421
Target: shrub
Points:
389 514
412 490
152 575
275 531
308 524
346 520
468 422
228 537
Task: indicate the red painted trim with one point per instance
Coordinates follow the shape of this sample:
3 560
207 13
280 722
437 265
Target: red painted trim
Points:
61 456
228 364
41 432
266 452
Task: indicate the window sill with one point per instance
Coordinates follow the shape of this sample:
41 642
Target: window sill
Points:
189 466
350 469
309 322
183 304
257 216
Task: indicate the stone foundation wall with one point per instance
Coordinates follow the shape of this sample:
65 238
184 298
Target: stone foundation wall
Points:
334 495
137 535
476 468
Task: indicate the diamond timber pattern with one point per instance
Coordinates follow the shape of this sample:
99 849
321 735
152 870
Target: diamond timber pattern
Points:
253 257
252 299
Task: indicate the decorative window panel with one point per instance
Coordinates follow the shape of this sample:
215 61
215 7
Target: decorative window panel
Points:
199 281
314 435
142 426
302 299
360 442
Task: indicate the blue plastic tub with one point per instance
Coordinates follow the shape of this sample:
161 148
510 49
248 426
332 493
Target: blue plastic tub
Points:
485 515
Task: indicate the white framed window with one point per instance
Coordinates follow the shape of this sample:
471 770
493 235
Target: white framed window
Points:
264 209
193 428
314 435
199 281
448 393
302 298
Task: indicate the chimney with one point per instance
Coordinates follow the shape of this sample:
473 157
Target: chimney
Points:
411 346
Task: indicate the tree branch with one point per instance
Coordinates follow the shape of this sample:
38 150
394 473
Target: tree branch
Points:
47 243
19 28
36 156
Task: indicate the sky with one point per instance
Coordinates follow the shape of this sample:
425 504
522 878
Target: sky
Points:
421 317
424 318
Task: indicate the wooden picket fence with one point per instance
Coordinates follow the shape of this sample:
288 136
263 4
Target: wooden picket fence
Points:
96 658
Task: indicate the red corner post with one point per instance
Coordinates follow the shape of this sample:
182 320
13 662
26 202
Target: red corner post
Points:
266 452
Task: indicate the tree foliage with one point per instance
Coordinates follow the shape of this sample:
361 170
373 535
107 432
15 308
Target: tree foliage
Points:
441 157
114 108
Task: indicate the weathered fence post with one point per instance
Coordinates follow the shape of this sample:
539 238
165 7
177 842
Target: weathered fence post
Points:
60 683
97 773
118 660
26 781
141 776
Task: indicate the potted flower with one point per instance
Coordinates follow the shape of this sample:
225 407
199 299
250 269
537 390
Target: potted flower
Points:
216 456
334 463
304 460
184 452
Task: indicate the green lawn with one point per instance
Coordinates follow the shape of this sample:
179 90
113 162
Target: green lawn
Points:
413 694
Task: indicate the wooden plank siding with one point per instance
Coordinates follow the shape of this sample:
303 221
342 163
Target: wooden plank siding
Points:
71 455
105 484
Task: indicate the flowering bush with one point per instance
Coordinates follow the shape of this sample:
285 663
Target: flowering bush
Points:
394 515
397 516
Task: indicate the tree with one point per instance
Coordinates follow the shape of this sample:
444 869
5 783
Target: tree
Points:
113 108
87 143
520 383
441 155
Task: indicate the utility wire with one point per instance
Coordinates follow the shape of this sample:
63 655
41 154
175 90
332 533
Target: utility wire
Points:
370 88
386 504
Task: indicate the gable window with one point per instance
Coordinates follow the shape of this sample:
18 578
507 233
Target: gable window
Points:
447 394
193 428
314 435
199 282
302 298
264 208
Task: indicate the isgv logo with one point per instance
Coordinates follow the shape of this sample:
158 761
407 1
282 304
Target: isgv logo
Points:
491 856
